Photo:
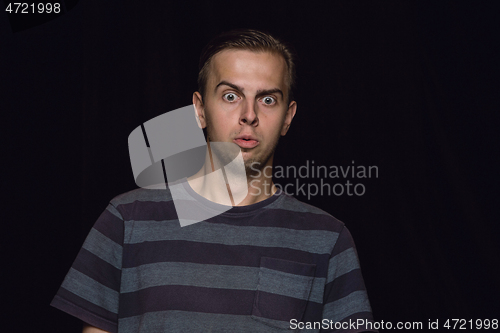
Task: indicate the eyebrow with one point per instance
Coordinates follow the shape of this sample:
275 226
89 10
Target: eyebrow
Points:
259 92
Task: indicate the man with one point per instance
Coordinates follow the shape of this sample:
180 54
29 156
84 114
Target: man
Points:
268 264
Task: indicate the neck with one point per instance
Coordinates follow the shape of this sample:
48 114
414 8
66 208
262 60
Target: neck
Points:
231 185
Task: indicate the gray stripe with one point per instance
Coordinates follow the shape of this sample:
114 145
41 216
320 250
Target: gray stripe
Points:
285 284
104 248
114 211
353 303
91 290
189 274
214 276
342 263
182 321
141 194
312 241
295 205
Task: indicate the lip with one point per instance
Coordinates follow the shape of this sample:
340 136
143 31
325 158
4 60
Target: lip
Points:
246 141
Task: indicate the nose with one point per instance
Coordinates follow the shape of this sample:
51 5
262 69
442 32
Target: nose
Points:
249 114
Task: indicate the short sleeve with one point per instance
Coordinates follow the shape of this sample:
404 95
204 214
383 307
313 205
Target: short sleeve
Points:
90 291
345 299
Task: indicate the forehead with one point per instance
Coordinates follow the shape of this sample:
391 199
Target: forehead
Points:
248 69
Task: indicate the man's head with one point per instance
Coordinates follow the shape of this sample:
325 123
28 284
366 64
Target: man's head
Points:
245 82
250 40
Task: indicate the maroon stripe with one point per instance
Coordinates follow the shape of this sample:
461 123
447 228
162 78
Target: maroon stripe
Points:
281 218
288 266
148 211
344 242
344 285
98 269
360 315
79 307
314 312
187 298
110 226
277 307
216 254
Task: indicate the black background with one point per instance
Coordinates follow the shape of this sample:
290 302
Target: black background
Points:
408 86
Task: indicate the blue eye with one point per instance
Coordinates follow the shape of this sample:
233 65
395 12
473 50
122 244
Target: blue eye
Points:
268 100
230 97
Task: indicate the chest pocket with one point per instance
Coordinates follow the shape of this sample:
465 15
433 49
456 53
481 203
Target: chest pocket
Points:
282 291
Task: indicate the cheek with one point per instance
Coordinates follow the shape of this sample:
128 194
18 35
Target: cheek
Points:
274 122
217 127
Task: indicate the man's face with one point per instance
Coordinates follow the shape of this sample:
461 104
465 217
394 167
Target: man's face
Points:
245 103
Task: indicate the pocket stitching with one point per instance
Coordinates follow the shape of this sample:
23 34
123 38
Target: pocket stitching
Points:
306 283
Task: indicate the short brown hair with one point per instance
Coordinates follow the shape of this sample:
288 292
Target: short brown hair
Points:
246 39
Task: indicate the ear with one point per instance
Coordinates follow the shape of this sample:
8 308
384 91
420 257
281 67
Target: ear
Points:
199 109
290 113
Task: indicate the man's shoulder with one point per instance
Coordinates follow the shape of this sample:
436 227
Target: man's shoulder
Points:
156 193
291 203
292 206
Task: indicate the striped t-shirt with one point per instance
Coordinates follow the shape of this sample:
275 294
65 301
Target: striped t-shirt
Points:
272 266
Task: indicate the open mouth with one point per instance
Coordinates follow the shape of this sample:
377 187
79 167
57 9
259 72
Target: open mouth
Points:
246 143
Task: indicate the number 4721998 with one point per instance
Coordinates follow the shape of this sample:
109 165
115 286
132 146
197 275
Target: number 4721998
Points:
31 8
464 324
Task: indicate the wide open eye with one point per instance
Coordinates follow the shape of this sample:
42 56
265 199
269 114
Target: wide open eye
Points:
268 100
230 97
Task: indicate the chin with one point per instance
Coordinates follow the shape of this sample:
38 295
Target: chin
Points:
251 164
